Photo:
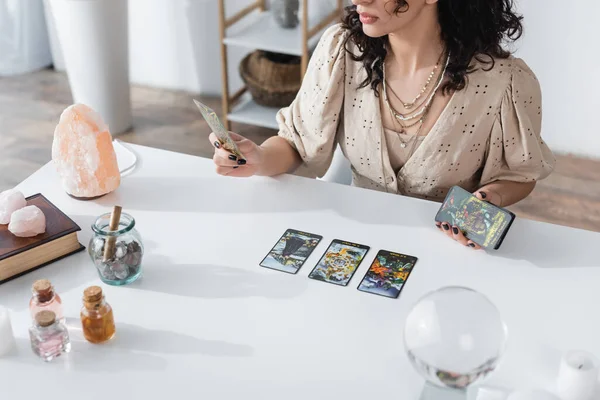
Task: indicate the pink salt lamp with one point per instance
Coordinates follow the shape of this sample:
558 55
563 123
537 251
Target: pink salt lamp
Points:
84 155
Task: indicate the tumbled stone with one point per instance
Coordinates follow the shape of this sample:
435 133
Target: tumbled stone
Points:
27 222
10 201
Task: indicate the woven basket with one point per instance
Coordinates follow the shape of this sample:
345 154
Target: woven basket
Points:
271 83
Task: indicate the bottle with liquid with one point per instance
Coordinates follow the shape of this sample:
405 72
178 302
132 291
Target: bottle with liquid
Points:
96 316
45 298
49 336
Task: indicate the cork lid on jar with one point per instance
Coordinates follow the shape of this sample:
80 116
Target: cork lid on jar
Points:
93 294
45 318
43 289
42 285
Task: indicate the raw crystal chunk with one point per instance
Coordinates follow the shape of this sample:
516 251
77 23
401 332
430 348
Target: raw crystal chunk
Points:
10 201
27 222
83 153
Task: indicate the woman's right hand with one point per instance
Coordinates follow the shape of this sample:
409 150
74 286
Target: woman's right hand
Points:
228 164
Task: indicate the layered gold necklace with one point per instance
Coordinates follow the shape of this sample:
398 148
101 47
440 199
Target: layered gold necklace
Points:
419 112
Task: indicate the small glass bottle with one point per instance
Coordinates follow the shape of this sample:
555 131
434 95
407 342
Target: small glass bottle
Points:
49 337
96 316
45 298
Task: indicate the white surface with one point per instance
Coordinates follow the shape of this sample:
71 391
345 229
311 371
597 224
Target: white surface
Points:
58 61
265 34
577 376
532 395
564 60
93 37
24 43
126 157
247 111
206 321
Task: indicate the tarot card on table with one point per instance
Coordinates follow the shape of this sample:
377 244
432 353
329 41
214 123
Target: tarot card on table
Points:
291 251
387 274
339 263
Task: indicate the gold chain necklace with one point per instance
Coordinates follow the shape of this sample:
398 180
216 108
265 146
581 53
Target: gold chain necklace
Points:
423 89
401 117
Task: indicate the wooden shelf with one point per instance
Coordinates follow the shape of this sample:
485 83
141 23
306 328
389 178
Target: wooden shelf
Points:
254 27
262 32
247 111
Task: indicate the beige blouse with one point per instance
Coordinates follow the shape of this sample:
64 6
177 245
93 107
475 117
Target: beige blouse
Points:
489 131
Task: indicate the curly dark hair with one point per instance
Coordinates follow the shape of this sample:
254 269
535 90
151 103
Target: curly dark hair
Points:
469 29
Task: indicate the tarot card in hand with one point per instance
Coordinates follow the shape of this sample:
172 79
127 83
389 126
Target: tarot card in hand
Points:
387 274
291 251
482 222
339 263
217 127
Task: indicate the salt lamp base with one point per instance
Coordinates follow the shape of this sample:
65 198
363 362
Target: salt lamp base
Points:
86 198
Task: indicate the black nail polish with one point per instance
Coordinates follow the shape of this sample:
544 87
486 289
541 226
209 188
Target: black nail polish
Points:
217 145
438 224
236 167
232 157
446 227
483 195
472 245
242 162
455 230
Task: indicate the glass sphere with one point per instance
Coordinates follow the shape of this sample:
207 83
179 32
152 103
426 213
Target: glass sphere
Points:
454 337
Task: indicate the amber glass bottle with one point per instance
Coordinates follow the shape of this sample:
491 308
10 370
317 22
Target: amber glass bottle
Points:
96 316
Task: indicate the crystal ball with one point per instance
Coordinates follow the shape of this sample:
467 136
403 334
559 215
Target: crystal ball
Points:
454 337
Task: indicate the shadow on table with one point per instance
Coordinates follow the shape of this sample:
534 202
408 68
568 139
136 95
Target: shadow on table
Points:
139 339
550 246
209 195
133 348
212 281
93 358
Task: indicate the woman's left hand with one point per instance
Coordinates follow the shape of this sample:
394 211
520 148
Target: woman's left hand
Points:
455 233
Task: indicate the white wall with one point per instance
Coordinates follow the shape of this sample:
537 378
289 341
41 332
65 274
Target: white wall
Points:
175 43
561 46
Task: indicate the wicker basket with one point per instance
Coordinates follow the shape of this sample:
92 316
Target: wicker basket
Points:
273 80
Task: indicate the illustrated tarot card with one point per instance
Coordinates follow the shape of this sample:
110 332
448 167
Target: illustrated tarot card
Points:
482 222
339 263
387 274
291 251
217 127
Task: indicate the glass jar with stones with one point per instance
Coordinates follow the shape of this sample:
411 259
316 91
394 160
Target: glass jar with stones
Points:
116 253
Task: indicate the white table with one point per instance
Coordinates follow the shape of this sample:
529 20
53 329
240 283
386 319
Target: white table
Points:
206 322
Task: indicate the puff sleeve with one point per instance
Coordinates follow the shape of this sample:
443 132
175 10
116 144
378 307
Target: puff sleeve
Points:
516 151
310 123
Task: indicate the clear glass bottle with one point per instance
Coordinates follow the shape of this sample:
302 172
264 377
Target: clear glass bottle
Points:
45 298
124 265
49 337
97 318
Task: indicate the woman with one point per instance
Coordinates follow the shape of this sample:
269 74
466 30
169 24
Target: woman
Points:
420 96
